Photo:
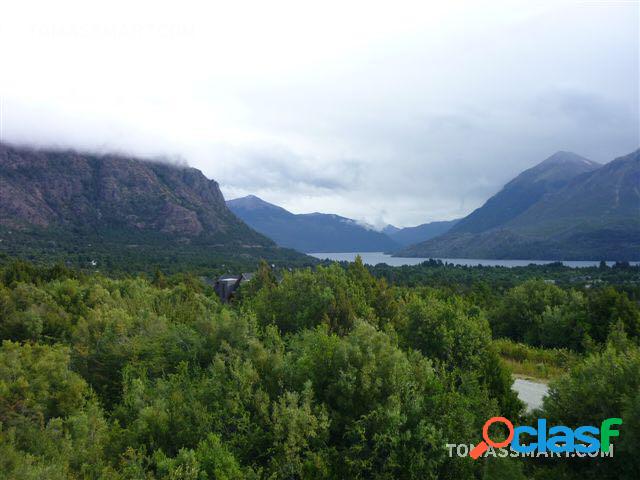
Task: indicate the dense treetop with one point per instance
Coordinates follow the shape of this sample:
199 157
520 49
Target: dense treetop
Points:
323 373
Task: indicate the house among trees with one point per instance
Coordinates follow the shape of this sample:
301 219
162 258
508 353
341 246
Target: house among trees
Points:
226 285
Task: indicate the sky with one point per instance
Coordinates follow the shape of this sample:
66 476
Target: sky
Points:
396 112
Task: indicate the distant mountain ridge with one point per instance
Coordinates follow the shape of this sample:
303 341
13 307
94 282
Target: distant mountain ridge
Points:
409 235
112 206
310 232
565 208
70 198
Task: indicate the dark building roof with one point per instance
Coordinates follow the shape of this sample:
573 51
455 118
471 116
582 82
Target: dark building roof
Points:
226 285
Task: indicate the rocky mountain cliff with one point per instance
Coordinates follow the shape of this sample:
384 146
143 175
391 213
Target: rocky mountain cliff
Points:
71 198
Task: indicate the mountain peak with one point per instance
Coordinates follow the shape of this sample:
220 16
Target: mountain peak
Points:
526 189
251 202
247 199
565 157
390 229
559 168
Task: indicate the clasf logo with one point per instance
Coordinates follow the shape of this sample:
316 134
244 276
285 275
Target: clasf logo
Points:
557 439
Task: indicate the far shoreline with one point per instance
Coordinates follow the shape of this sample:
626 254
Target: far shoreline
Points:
374 258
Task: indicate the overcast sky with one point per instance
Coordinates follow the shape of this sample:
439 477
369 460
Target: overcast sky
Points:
393 112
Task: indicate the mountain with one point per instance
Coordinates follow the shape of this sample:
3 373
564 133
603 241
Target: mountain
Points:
390 230
608 197
525 190
311 232
410 235
58 201
566 208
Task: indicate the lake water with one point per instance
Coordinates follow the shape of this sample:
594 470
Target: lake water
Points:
373 258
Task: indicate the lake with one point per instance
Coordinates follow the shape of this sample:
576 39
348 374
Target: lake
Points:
373 258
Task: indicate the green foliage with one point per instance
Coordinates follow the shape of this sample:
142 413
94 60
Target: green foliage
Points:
210 460
326 373
606 384
542 314
448 330
608 306
535 362
503 469
490 282
50 424
458 335
128 252
520 313
36 384
304 299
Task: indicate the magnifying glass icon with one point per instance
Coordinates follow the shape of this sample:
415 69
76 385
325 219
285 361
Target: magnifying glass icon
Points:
482 446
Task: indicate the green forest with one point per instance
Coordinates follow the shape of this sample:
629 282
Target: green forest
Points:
336 371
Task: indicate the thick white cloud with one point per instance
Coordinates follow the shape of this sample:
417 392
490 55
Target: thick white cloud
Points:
396 112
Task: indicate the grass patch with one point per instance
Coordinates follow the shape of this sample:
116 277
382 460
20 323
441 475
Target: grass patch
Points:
536 363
